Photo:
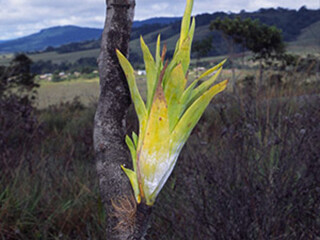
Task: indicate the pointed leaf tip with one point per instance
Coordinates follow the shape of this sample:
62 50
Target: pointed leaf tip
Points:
151 70
134 182
132 148
134 91
192 115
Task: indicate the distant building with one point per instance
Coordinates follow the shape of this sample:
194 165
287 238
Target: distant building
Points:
141 72
46 76
63 75
199 69
77 74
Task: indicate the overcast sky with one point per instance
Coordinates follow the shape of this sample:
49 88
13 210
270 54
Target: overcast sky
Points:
21 17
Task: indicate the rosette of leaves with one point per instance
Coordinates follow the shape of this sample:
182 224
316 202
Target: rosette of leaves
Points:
171 111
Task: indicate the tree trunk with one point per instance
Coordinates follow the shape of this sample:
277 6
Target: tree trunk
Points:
230 43
125 220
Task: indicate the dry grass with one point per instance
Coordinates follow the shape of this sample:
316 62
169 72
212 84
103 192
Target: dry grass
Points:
51 93
250 170
86 90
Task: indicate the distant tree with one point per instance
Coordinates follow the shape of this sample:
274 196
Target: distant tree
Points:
17 75
265 42
42 66
232 32
49 49
3 79
18 123
203 47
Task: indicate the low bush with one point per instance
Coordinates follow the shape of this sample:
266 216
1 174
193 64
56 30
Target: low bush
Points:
250 170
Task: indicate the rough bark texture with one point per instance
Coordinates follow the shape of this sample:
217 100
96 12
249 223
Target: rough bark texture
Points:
109 125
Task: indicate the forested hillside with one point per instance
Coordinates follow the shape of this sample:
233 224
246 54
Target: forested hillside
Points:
298 27
54 36
292 23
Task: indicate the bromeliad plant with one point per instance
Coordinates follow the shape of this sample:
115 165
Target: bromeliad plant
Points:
171 111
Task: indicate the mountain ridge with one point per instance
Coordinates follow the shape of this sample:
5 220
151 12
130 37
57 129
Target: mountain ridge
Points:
52 36
291 22
156 20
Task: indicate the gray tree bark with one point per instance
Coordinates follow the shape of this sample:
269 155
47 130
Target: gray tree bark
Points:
110 127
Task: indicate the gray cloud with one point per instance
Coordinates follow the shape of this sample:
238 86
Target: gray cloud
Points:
21 17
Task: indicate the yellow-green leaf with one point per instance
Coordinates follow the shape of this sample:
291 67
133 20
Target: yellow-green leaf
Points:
185 23
186 96
176 48
153 156
182 56
134 91
135 139
158 57
134 182
184 52
194 113
170 113
151 70
203 87
211 70
133 152
173 92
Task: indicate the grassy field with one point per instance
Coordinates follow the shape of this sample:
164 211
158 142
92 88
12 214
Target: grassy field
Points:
5 59
51 93
308 41
64 57
87 90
